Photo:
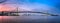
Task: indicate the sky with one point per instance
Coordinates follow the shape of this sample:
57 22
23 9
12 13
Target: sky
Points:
48 6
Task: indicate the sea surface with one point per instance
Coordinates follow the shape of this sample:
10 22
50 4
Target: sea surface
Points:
30 19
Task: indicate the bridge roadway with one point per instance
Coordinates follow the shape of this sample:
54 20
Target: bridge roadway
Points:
4 12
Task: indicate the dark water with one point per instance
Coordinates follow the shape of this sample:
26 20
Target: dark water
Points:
29 19
54 19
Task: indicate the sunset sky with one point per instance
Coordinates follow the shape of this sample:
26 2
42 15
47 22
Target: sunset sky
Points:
31 5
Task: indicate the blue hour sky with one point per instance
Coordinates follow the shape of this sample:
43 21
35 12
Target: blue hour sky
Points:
37 5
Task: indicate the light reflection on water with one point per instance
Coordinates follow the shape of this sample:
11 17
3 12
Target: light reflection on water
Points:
36 18
21 18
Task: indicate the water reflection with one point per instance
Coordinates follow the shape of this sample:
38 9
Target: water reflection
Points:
21 18
34 18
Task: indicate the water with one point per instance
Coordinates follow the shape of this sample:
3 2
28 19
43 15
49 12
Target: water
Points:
54 19
30 19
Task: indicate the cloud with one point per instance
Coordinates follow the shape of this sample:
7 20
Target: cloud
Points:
7 7
26 5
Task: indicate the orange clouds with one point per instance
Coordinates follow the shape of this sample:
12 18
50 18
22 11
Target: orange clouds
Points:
6 8
13 7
